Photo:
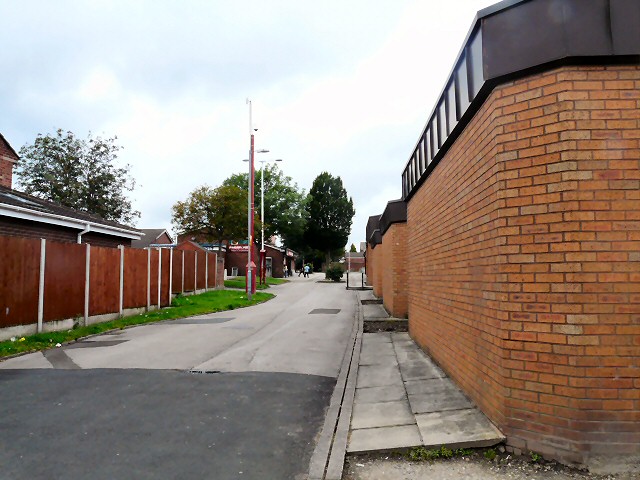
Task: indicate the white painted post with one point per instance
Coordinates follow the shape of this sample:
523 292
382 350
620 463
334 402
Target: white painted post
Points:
43 254
195 275
215 272
148 278
121 305
87 282
206 271
170 273
159 276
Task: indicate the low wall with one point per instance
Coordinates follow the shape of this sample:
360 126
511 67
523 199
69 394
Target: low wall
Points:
524 280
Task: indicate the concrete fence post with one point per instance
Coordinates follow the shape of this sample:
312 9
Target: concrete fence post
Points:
170 273
159 276
87 282
43 254
148 278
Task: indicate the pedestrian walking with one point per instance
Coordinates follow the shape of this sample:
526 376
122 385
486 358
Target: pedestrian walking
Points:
306 270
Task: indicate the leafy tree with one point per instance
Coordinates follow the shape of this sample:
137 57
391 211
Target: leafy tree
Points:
79 174
353 248
330 215
284 210
215 214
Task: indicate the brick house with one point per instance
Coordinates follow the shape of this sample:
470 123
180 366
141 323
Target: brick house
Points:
28 216
154 237
276 258
8 159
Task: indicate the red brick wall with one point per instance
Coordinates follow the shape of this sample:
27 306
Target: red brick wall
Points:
374 269
525 275
6 171
6 166
394 270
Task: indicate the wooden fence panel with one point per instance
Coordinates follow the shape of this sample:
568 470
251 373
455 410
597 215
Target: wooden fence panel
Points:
104 280
19 277
165 296
135 278
176 285
189 270
212 265
64 275
154 277
202 272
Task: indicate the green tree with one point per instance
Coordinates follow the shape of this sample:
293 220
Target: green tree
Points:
79 174
284 210
353 248
217 214
330 215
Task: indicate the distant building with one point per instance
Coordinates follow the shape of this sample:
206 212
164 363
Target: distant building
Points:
153 237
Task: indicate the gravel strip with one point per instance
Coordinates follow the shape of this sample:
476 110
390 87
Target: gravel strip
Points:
471 467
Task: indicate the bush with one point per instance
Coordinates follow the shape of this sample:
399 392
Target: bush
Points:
334 272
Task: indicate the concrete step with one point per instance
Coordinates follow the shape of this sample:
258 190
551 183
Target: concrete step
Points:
390 324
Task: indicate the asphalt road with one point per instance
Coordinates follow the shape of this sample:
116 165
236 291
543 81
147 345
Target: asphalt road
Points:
238 394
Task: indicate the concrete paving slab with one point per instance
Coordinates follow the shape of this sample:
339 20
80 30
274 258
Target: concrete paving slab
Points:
431 385
387 393
382 414
377 349
401 336
376 338
439 402
375 357
457 429
366 295
384 438
378 376
373 311
420 369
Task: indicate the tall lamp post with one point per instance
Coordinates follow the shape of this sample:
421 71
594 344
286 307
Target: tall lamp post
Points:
250 280
263 252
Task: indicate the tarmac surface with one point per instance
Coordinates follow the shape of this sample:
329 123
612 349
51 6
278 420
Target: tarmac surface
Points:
238 394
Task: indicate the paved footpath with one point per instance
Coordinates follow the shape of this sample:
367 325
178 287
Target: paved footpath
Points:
240 394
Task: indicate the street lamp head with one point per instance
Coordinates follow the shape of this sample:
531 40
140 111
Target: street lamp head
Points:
262 151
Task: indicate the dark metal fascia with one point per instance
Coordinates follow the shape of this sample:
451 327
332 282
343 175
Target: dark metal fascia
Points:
395 212
598 32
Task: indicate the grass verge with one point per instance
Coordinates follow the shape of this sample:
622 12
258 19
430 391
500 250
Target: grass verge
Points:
239 282
209 302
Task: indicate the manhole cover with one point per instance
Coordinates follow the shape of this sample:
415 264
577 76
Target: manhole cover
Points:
330 311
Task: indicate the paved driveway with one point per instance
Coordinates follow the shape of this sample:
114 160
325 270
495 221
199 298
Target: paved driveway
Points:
239 394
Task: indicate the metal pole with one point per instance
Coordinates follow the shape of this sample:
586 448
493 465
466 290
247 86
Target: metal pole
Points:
249 209
262 251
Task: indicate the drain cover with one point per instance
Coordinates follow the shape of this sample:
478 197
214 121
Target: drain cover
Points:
330 311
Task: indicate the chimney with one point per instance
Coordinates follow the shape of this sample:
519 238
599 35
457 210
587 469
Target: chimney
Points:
8 158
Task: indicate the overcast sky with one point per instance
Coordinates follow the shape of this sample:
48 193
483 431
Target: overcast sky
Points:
343 86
